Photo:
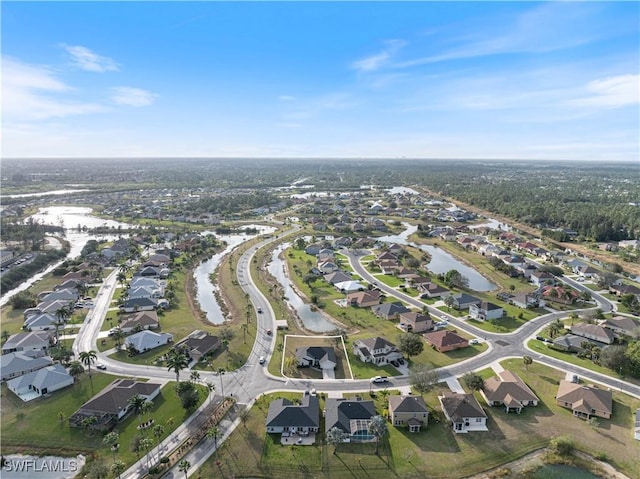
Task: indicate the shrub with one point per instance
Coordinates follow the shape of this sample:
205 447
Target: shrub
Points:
562 445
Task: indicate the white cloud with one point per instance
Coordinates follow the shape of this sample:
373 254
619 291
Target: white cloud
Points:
374 62
85 59
611 92
124 95
286 98
32 92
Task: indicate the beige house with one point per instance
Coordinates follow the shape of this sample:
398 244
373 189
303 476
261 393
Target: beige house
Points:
585 401
408 411
508 390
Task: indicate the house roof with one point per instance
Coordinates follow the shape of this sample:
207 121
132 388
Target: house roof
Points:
376 343
415 318
340 412
114 398
508 387
585 397
571 341
21 361
623 323
145 340
389 309
30 340
459 406
444 338
318 353
337 277
487 306
142 319
200 342
349 285
284 413
603 334
407 404
45 378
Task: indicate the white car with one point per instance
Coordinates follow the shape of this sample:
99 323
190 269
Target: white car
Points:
379 379
262 360
474 341
101 366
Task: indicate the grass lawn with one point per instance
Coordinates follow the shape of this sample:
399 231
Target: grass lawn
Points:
436 452
389 280
35 426
505 324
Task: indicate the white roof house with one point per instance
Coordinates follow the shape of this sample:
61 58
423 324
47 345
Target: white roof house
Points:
40 382
146 340
349 286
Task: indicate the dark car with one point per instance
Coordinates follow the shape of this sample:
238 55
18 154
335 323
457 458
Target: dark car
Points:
400 361
394 363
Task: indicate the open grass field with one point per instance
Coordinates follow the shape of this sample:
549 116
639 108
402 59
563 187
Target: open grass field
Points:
36 426
436 452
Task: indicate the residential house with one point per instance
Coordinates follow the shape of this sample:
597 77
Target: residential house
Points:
485 311
146 340
463 412
143 320
327 266
364 299
622 326
31 341
446 340
285 417
198 345
144 292
337 277
587 271
410 411
508 390
13 365
112 403
464 300
376 350
389 266
389 310
413 322
131 305
349 286
624 289
431 290
353 417
41 322
41 382
594 332
558 294
542 278
322 357
584 401
573 343
524 301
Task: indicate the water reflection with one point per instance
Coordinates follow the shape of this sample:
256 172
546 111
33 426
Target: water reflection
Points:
441 261
313 320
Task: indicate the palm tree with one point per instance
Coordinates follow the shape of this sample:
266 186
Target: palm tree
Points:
220 372
111 441
76 369
158 430
136 403
245 328
335 436
88 358
177 362
290 364
555 328
118 467
527 360
118 335
184 466
378 427
194 377
147 444
210 388
213 432
62 315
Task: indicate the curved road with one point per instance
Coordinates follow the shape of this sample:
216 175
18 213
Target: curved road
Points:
252 380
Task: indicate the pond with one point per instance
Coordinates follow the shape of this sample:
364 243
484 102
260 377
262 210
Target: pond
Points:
205 289
313 320
561 471
441 261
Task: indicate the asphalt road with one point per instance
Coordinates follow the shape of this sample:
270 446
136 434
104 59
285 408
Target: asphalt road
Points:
252 380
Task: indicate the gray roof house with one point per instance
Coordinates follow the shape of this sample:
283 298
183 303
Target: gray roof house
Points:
389 310
572 343
146 340
353 417
317 357
139 321
34 340
198 344
13 365
287 418
408 410
41 322
464 300
38 383
376 350
464 412
485 311
594 332
111 404
139 304
622 325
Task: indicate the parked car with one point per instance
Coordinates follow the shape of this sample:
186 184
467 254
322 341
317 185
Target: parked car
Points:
395 363
379 379
474 341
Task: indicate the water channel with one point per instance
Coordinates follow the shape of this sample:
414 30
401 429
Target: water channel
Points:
205 289
441 261
314 321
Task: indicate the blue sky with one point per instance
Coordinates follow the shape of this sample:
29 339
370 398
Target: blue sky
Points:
518 80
